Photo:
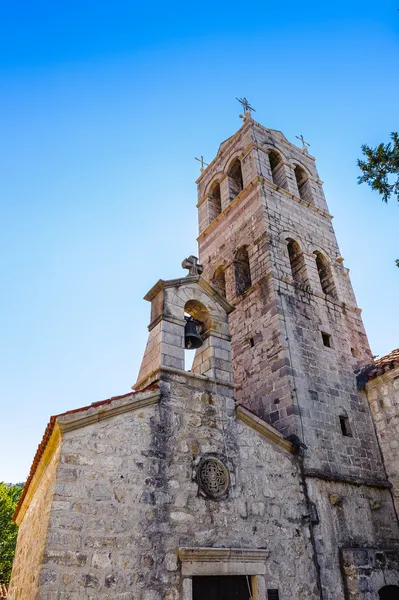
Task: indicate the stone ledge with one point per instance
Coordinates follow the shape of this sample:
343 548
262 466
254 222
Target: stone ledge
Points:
95 414
265 429
351 480
222 561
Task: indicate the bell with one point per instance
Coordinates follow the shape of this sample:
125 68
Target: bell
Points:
191 338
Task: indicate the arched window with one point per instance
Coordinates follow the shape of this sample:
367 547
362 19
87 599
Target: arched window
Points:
303 184
389 592
215 201
219 281
297 262
242 271
278 169
325 275
235 178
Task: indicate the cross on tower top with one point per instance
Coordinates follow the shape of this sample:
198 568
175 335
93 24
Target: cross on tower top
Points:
246 105
194 267
304 144
201 160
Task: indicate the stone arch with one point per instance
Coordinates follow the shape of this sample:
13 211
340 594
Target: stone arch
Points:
302 180
215 200
325 274
239 153
242 270
297 261
277 168
219 280
271 147
215 178
236 183
198 311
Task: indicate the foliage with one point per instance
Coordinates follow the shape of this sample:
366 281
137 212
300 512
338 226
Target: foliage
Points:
9 496
381 168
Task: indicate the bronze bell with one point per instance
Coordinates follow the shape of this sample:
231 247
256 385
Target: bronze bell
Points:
192 340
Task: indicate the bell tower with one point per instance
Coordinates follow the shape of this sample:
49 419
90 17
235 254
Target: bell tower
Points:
267 245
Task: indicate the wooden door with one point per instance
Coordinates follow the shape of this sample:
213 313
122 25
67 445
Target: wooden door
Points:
389 592
229 587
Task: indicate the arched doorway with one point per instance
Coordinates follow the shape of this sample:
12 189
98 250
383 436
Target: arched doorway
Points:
389 592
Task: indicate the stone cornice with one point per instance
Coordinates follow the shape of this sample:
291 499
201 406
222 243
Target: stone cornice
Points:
352 480
162 284
229 554
222 561
382 378
264 429
51 447
181 282
156 375
95 414
243 194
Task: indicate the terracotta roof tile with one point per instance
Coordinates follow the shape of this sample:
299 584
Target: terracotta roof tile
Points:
49 430
384 364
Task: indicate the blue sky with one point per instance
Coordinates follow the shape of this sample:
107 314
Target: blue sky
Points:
104 107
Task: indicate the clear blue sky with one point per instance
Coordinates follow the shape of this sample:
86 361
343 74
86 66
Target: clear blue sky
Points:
103 107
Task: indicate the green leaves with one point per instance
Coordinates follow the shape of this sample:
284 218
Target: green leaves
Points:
380 169
9 496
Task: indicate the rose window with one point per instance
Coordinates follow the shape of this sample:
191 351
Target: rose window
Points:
213 477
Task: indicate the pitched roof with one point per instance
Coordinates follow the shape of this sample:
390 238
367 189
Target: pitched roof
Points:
50 428
384 364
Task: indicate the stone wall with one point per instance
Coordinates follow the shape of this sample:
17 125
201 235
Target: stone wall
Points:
27 576
383 396
349 516
126 499
283 370
369 570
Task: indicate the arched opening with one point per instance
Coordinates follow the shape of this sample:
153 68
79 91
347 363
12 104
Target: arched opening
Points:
389 592
303 184
325 275
235 178
197 312
215 201
242 271
219 281
297 261
278 169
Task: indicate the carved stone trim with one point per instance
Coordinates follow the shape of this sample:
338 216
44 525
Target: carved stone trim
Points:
265 429
222 561
213 477
94 414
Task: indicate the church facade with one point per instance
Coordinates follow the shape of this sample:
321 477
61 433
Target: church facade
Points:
270 469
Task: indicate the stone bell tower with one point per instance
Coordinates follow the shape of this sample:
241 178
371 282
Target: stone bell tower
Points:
267 244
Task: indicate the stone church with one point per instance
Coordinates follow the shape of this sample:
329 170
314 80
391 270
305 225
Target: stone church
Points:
270 469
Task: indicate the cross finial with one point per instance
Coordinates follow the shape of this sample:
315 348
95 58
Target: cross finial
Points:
201 160
304 144
246 106
194 267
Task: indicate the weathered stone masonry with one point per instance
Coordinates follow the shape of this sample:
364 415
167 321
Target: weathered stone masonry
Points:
264 460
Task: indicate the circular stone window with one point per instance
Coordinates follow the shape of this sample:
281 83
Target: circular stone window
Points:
213 477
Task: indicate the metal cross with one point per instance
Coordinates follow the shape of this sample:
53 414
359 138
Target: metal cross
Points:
304 144
245 104
201 160
194 267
